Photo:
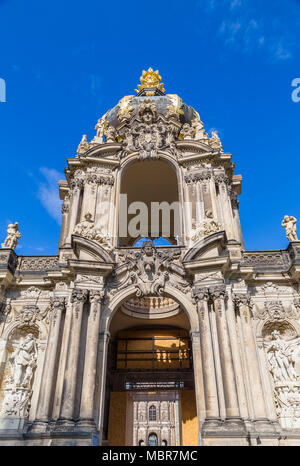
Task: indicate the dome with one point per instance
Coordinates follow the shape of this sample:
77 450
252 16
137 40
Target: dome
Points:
150 121
150 91
162 103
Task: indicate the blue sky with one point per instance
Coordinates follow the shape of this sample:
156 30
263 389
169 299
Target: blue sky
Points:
65 63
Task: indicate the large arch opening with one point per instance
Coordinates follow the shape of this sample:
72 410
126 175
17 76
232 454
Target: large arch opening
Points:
149 182
150 379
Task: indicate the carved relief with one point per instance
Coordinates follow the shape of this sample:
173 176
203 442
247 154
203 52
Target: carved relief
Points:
148 132
274 310
18 385
87 230
207 227
149 270
281 359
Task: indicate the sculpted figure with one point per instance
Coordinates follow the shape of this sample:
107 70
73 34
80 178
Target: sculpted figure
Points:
13 235
281 359
199 131
83 145
207 227
215 142
87 230
110 134
23 362
100 127
289 223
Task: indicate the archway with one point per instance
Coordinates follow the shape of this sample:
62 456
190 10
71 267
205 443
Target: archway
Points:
150 386
150 182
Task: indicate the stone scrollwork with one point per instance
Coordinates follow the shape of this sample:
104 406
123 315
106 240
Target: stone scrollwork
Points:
281 359
18 385
275 311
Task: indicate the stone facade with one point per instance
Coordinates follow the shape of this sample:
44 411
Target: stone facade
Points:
61 315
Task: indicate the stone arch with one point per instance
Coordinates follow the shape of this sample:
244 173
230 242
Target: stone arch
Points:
164 158
292 328
188 307
92 250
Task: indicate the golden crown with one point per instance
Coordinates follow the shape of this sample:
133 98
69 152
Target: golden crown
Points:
150 79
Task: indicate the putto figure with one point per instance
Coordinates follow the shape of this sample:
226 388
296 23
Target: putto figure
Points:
13 235
289 223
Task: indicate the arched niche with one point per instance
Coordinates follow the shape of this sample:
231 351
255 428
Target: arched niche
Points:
147 182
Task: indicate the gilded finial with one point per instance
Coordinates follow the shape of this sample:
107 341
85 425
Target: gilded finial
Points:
150 80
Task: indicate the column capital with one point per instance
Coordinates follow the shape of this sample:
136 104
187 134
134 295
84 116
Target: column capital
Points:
58 302
58 305
195 335
79 295
200 293
222 178
218 292
242 304
241 299
96 296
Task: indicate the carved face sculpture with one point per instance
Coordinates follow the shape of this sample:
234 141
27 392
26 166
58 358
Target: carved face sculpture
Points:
28 315
275 335
147 117
148 249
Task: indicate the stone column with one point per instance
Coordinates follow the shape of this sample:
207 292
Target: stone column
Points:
70 380
90 363
238 361
225 205
48 380
89 195
242 302
197 364
236 217
218 295
76 185
65 208
102 360
209 377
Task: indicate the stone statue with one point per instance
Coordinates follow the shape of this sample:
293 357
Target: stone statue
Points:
215 142
23 362
199 131
87 230
83 145
109 133
207 227
289 223
100 128
281 359
13 235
